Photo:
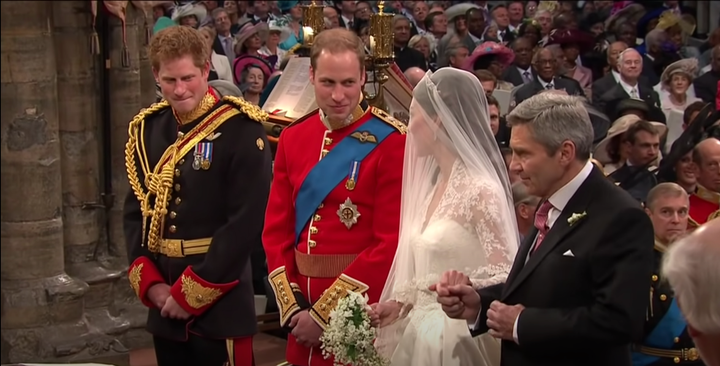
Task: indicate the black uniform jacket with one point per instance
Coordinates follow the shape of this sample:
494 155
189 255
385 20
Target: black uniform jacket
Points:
217 176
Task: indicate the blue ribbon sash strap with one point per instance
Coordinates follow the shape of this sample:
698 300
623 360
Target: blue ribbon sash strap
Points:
662 336
331 170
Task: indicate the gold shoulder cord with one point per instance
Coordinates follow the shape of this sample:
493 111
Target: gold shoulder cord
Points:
251 110
154 182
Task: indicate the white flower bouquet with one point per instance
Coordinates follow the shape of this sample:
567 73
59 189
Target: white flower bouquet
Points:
349 337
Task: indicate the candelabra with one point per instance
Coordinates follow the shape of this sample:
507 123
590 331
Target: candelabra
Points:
313 22
382 43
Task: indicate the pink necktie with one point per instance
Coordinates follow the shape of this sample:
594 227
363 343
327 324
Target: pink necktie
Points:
541 220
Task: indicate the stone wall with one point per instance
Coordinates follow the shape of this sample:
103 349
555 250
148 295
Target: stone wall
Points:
64 293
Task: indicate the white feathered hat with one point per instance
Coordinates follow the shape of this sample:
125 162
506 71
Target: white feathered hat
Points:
196 10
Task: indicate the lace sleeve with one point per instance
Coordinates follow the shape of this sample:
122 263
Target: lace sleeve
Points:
494 224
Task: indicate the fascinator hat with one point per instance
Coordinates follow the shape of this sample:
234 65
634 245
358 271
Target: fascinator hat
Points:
500 53
191 9
285 6
668 19
630 13
248 30
687 67
278 26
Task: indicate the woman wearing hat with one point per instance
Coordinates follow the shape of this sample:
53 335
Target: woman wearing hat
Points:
189 14
612 151
250 40
292 20
251 76
493 57
277 33
675 96
573 44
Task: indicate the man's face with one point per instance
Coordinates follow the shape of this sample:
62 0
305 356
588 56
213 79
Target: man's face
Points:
716 59
261 7
627 34
501 17
631 65
338 79
402 31
545 64
669 216
708 171
222 23
439 25
516 12
476 23
523 52
488 87
645 148
538 170
348 7
459 58
494 118
182 83
614 53
332 15
420 11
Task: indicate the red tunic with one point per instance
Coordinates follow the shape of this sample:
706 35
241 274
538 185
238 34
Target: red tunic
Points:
356 258
704 205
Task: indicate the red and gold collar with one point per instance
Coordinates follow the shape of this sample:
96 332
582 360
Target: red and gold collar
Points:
707 195
205 105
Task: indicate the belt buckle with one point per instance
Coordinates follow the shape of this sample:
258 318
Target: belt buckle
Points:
174 248
690 354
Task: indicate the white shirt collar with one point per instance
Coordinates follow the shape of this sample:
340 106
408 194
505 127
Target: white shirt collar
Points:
628 88
616 76
563 195
545 83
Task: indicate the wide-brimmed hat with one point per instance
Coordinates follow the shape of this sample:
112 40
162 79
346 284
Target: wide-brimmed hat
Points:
249 29
686 66
669 19
458 10
619 127
243 62
197 10
283 29
503 54
564 37
645 20
629 14
615 108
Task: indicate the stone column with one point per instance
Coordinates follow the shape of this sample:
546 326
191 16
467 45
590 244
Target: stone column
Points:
41 305
125 94
78 75
147 79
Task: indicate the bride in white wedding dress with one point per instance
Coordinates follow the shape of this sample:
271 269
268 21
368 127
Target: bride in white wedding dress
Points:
457 213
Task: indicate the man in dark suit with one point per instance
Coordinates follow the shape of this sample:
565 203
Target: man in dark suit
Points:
577 292
706 85
630 64
605 83
545 66
521 71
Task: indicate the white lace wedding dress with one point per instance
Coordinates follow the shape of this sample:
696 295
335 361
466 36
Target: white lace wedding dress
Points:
462 234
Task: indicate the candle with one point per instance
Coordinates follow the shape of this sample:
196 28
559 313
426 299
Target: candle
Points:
308 32
372 44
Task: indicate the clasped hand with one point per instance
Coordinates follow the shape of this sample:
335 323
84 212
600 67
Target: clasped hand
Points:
459 300
160 296
305 330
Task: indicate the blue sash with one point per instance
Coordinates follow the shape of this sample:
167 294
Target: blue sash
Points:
327 174
670 326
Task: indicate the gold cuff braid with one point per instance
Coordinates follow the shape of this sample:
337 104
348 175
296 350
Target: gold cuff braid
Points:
320 311
284 296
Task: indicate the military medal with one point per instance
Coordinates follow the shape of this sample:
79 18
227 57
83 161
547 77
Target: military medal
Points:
202 156
348 213
352 175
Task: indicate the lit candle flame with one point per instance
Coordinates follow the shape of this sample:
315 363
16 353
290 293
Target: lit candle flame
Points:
308 31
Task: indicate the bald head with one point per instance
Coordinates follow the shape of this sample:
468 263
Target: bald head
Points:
705 149
414 75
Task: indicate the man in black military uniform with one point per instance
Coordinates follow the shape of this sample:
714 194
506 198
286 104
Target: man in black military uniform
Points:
199 168
666 340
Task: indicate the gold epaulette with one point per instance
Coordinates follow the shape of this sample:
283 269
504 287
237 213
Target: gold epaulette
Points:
714 215
387 118
692 223
251 110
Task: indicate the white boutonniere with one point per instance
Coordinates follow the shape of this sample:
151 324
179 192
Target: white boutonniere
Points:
574 218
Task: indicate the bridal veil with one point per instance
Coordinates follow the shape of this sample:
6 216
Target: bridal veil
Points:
449 128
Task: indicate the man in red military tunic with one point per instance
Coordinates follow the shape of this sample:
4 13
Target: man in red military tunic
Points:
705 201
332 221
200 177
